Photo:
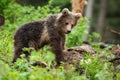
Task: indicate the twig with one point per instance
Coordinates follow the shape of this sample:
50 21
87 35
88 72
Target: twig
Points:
114 59
114 31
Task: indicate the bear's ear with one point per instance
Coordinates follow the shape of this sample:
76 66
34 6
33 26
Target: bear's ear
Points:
65 11
78 15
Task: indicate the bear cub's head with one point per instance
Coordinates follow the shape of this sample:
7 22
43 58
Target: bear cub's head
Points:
67 20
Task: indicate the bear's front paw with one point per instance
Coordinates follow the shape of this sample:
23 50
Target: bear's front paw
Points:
60 59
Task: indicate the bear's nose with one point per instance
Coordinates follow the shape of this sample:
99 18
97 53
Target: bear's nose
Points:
68 31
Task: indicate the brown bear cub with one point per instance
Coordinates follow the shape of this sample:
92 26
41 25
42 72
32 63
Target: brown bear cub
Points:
51 31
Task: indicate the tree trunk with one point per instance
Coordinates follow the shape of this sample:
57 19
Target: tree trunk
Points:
101 18
88 14
78 6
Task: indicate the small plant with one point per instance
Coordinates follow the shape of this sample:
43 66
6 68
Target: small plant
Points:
76 36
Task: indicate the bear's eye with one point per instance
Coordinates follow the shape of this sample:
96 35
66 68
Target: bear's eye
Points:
66 23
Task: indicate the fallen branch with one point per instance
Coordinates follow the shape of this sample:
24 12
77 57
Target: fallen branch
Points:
114 59
114 31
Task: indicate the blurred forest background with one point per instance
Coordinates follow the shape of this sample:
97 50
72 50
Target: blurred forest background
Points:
103 15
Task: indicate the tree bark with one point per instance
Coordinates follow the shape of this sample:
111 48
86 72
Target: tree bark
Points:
101 18
78 6
89 13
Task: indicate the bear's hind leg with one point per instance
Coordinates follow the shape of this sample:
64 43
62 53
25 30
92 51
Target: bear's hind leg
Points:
26 55
17 54
18 51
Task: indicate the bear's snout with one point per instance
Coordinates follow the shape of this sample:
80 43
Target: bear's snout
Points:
68 31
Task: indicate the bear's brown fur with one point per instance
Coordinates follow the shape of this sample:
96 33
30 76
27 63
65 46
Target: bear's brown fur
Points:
52 30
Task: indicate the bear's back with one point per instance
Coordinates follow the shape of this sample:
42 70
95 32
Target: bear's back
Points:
30 30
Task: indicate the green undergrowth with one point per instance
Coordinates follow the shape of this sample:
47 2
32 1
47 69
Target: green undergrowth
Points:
94 67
